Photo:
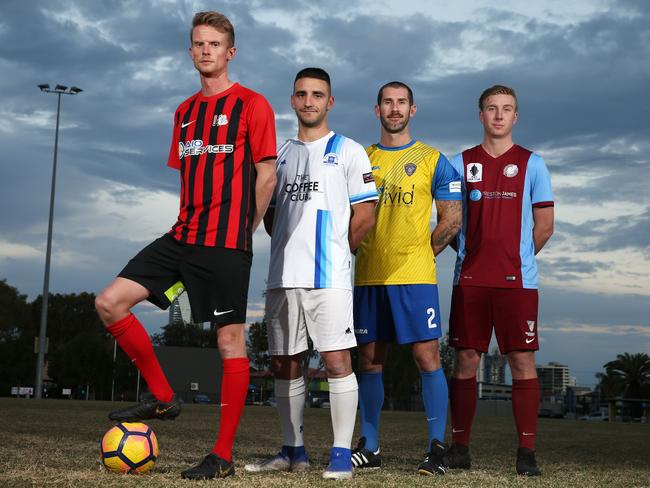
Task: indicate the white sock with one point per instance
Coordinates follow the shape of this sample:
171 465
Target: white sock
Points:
344 398
290 396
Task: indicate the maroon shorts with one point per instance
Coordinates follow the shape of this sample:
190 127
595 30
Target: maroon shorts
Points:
475 310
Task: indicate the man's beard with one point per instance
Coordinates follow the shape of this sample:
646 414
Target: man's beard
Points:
312 123
395 129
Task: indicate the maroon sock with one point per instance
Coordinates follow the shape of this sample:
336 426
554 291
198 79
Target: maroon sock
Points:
136 343
463 399
525 403
234 387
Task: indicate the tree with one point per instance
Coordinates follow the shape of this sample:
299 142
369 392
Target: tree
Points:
186 335
634 371
17 359
258 345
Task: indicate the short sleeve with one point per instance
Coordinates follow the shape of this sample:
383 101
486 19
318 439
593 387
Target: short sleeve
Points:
541 193
361 182
446 184
173 160
261 130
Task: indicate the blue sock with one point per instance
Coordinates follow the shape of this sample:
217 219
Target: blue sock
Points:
371 399
340 459
435 398
294 452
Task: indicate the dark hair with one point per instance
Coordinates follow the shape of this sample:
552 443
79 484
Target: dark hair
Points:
497 90
318 73
216 20
395 84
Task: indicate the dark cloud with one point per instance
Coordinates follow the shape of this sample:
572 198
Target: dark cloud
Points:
582 89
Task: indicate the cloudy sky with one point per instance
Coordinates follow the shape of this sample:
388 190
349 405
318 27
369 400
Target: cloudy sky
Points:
581 70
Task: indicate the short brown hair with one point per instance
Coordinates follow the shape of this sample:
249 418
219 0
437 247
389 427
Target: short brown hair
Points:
216 20
497 90
395 84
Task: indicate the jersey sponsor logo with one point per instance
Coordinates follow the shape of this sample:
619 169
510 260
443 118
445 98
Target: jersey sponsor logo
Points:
331 159
300 189
196 148
454 187
376 168
474 172
510 170
475 195
361 331
409 168
396 197
498 195
368 177
221 119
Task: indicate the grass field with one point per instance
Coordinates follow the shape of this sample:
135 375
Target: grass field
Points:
55 443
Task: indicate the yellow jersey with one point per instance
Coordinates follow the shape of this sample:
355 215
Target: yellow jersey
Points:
397 250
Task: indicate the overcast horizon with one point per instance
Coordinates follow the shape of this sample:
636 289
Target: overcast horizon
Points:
580 69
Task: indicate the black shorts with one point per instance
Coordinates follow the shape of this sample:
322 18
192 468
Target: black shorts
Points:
216 278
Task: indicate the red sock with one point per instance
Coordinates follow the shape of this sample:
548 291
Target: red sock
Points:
234 387
525 403
463 397
136 343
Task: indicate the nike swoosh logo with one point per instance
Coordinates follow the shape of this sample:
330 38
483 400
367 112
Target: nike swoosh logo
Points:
162 410
216 314
185 124
456 431
431 419
527 433
528 341
223 405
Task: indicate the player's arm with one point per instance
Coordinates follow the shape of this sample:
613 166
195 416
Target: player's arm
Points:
268 220
542 226
264 186
450 215
361 221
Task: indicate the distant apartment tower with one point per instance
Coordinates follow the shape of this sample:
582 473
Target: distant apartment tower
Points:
180 310
492 368
553 378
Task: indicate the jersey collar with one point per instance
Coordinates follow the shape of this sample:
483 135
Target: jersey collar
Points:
398 148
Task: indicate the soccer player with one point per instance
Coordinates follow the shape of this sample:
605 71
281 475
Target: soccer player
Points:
322 208
507 219
224 145
395 294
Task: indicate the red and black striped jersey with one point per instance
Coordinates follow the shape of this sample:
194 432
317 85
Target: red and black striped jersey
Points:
216 142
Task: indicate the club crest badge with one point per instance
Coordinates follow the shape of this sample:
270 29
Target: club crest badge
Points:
511 170
409 168
331 159
474 173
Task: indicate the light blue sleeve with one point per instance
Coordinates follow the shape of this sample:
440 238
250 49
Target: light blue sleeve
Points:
446 184
540 180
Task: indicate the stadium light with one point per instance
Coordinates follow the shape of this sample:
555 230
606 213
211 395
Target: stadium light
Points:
40 358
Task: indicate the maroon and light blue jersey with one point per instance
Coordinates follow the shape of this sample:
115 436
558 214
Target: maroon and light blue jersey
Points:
495 244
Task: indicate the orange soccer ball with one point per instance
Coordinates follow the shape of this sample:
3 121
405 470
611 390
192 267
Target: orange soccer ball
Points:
129 447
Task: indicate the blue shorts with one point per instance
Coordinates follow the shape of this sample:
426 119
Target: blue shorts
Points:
396 313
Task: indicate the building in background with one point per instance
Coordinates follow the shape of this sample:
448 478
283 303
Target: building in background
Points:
180 310
553 380
492 368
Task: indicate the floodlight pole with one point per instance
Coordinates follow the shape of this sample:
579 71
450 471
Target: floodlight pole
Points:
40 359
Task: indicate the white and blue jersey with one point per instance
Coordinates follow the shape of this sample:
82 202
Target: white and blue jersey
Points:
317 182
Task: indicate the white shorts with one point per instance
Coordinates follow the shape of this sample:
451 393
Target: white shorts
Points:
323 313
